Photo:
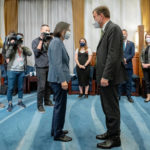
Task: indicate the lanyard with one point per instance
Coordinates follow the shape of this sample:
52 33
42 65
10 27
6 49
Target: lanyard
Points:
19 52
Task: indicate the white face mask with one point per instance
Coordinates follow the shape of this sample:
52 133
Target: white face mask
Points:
96 24
148 40
67 35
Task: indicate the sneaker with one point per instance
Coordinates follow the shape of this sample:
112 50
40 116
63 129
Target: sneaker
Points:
10 107
21 104
63 138
41 109
49 103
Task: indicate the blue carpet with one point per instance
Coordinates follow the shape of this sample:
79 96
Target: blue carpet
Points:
27 129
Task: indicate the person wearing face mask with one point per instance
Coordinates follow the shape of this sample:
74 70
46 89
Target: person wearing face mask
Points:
128 51
110 72
59 76
145 61
16 63
40 49
83 58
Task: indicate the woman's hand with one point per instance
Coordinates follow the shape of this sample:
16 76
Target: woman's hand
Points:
145 65
64 85
81 67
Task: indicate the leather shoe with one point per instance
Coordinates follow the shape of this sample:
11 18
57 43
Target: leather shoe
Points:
109 143
63 132
63 138
102 136
49 103
130 99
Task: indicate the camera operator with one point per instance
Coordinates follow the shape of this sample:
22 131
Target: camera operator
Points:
40 48
1 45
16 64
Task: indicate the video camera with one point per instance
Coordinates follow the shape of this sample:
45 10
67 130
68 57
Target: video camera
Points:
46 37
17 37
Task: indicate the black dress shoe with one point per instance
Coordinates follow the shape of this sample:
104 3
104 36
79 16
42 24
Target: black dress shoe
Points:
102 136
49 103
80 95
86 96
63 132
130 99
147 100
63 138
109 143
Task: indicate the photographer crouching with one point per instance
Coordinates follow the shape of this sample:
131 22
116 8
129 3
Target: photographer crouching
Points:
16 63
40 48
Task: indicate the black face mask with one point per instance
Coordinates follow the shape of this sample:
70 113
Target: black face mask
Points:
82 44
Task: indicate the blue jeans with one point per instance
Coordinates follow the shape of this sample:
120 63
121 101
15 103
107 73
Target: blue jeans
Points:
59 109
13 77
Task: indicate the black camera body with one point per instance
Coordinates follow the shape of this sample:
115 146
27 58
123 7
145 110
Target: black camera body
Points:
18 39
46 37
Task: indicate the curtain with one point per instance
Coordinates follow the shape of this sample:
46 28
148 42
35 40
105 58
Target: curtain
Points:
78 20
2 27
32 14
145 11
11 15
125 13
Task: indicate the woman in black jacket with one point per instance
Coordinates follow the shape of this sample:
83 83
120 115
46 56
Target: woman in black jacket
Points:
145 61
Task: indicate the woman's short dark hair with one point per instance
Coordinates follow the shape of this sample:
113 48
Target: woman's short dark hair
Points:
104 10
61 26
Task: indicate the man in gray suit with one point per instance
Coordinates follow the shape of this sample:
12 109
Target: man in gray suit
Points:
110 71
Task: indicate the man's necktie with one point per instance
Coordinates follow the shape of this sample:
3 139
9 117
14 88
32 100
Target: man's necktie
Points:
124 46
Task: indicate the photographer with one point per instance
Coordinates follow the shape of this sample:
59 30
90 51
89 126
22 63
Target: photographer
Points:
16 63
40 49
1 45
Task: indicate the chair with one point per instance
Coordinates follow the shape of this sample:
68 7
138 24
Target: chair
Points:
29 79
73 87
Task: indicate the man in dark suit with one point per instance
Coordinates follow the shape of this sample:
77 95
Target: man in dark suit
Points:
110 71
129 51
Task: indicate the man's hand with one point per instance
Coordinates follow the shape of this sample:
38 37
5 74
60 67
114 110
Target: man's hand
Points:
104 82
7 60
39 47
64 85
12 41
125 61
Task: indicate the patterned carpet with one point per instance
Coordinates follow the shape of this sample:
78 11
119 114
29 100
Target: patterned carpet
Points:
27 129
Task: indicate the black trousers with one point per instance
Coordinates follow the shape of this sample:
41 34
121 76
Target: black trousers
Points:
127 84
43 89
59 109
110 105
146 73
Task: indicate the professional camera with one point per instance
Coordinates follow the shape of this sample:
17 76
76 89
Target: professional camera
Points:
46 37
17 37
